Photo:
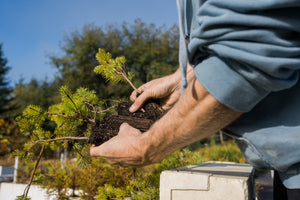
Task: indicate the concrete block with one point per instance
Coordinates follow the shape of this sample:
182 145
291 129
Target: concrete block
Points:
207 181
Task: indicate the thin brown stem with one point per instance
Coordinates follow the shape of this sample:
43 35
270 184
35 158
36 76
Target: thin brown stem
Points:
129 81
100 111
124 75
25 194
66 138
107 109
88 110
33 172
77 110
88 103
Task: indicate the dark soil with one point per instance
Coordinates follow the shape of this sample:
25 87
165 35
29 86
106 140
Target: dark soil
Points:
108 127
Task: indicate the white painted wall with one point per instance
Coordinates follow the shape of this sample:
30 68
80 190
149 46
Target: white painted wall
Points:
9 191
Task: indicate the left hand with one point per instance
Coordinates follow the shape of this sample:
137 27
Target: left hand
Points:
124 149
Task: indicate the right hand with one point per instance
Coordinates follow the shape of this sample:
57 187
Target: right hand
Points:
165 89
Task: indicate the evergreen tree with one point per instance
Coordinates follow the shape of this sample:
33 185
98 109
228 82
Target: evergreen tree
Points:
38 93
150 52
5 90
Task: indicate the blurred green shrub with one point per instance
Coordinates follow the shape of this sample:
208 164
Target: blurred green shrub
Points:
102 181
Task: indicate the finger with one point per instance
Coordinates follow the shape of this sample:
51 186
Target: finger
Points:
94 151
133 96
135 93
139 101
107 149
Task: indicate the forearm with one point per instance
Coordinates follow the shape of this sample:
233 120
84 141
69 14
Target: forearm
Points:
196 115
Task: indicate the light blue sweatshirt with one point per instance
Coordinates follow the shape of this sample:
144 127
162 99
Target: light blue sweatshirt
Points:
246 53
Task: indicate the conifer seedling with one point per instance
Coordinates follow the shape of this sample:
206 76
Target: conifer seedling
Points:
113 70
79 117
72 119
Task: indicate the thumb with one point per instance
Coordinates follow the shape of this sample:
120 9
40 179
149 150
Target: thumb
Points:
96 151
126 129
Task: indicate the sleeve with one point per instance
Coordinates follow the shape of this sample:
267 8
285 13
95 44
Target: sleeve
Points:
243 50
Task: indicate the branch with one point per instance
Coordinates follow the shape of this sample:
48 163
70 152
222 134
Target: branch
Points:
78 116
71 100
57 139
131 84
26 190
123 74
33 172
65 138
73 117
107 109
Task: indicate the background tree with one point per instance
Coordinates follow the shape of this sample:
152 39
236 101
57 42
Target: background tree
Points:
5 89
35 92
151 52
8 127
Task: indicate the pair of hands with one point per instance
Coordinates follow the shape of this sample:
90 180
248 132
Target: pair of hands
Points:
127 148
196 115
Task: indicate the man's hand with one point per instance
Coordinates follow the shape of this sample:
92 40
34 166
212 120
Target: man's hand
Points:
165 89
124 149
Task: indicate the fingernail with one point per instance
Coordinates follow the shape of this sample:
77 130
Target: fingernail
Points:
132 108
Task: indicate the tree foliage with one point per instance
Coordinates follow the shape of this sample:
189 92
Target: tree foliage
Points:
5 90
113 70
10 139
8 130
110 69
150 52
69 120
35 92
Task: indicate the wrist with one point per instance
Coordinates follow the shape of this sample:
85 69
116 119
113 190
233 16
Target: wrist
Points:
175 78
151 147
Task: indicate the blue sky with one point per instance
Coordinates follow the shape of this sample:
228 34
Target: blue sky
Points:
31 29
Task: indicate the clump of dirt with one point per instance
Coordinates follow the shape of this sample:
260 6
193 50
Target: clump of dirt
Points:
151 110
108 127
